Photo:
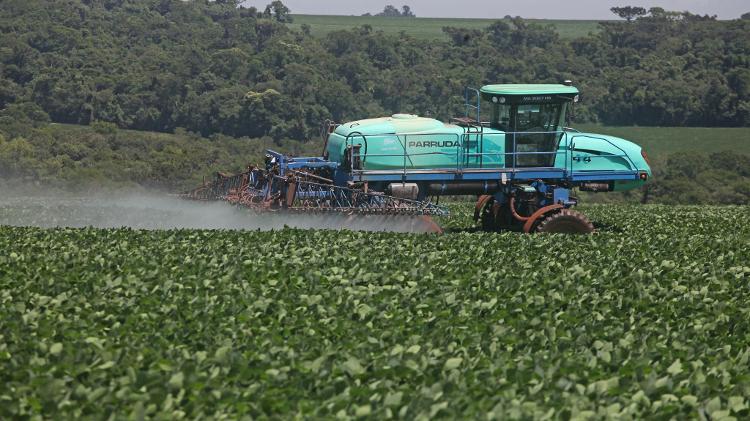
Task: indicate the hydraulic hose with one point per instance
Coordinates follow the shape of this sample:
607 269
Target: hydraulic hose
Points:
513 212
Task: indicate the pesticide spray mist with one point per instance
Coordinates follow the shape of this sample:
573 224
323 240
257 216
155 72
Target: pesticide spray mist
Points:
159 212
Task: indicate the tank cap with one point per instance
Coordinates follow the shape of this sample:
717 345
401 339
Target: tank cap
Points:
404 116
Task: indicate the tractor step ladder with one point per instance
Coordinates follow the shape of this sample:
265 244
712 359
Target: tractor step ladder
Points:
472 127
472 140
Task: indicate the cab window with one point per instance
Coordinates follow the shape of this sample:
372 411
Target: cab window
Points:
501 117
538 118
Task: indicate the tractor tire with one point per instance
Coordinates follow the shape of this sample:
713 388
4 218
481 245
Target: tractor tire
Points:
566 221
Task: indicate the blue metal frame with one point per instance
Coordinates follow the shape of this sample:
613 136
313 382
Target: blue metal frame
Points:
294 163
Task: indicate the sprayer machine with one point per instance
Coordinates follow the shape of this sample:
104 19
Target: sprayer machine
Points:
511 150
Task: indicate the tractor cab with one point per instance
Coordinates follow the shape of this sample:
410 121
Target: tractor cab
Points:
533 118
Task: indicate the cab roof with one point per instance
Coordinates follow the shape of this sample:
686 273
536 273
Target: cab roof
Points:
529 89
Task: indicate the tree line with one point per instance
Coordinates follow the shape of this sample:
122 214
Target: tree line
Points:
393 12
213 67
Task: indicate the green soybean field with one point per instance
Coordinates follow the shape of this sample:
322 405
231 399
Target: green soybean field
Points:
646 318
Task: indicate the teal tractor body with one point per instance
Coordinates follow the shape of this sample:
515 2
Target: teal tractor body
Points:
513 139
520 134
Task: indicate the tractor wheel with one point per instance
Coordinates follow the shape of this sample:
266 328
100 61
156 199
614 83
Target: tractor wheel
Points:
566 221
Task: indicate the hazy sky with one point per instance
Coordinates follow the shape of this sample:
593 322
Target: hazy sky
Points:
550 9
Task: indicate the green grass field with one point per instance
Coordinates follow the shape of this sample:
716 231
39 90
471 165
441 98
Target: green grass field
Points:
662 141
428 28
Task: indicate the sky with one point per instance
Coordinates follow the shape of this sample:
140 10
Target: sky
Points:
540 9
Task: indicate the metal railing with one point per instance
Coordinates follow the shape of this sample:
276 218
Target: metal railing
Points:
403 141
463 154
467 103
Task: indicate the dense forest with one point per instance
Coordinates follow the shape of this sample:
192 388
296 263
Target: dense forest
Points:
223 82
213 67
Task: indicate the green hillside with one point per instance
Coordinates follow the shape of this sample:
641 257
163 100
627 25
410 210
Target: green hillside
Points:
692 165
428 28
72 156
659 142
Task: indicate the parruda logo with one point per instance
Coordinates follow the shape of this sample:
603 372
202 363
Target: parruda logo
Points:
434 144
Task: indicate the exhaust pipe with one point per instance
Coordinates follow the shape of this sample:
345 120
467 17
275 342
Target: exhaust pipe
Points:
596 187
